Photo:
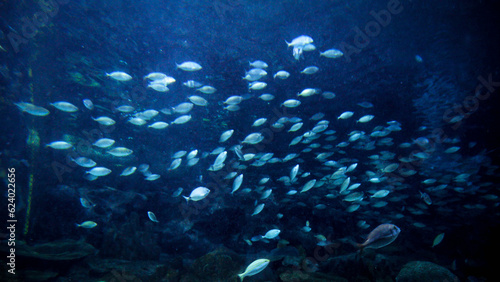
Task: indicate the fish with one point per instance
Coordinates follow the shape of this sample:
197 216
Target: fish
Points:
307 92
309 47
282 74
87 224
183 108
291 103
308 186
437 240
427 199
259 122
253 138
125 109
345 115
152 216
365 119
258 209
155 76
257 85
192 84
293 173
381 236
198 101
104 120
159 125
120 152
159 87
177 192
328 95
233 100
220 158
128 171
380 194
175 164
258 64
271 234
266 97
119 76
99 171
65 107
189 66
192 154
254 268
137 121
237 183
266 194
86 203
226 135
310 70
84 162
104 143
207 89
32 109
354 197
331 54
197 194
59 145
182 119
300 41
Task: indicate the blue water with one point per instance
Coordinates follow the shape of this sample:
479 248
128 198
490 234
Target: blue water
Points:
430 69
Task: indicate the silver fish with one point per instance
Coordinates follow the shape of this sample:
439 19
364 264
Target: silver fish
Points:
381 236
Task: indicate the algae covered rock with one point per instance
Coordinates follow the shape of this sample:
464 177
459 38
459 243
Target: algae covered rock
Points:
219 265
424 271
57 250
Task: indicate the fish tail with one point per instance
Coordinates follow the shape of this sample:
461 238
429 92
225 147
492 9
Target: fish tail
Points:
241 276
287 43
187 199
355 245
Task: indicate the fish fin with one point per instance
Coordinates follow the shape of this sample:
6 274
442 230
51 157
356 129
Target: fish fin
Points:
288 44
187 199
241 276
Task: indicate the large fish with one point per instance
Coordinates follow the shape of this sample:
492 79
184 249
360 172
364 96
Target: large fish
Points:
381 236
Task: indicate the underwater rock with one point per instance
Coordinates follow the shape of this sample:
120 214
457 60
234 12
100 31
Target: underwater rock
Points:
122 270
424 271
61 250
300 275
132 240
219 265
